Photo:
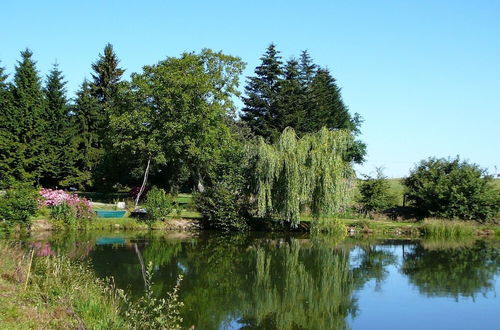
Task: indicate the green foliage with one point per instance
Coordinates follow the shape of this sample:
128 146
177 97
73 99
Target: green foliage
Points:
177 116
65 294
64 213
59 131
308 172
446 229
57 279
375 193
18 204
8 139
26 145
262 95
149 312
221 208
158 204
88 124
451 188
106 76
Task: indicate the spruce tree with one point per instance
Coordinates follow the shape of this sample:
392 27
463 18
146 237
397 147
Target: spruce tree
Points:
262 91
87 124
328 107
58 121
106 76
28 116
307 69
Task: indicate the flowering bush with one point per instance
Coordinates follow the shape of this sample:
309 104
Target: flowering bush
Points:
65 206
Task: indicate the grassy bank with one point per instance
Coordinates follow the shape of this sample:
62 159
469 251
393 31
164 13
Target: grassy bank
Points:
53 292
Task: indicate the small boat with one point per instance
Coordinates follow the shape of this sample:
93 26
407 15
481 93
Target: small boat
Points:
110 213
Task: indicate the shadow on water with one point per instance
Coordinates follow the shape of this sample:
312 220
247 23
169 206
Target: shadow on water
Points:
276 281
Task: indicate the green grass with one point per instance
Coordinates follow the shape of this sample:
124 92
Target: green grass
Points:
53 292
59 294
447 229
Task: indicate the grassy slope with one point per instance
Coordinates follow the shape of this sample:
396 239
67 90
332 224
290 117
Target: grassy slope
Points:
59 295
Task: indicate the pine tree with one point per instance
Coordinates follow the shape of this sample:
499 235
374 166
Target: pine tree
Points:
58 120
262 94
28 117
291 100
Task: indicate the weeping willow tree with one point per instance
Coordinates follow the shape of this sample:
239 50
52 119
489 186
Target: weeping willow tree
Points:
308 172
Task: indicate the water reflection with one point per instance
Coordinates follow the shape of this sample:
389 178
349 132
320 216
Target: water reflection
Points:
282 282
453 271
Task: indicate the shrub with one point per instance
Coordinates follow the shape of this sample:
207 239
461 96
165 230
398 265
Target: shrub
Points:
450 188
158 204
65 207
18 204
220 208
149 312
375 193
330 227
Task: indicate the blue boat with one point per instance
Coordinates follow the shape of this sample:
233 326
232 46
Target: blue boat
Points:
110 213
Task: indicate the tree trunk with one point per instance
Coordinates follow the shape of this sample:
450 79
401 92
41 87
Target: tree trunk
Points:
200 186
146 173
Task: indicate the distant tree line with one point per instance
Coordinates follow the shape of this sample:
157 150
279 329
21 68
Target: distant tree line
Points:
176 118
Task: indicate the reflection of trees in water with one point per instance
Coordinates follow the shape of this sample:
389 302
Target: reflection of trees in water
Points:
453 272
216 279
282 282
372 262
296 288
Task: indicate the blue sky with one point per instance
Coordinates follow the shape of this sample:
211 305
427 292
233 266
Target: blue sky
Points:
424 75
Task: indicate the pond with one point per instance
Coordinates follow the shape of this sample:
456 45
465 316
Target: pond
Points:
277 281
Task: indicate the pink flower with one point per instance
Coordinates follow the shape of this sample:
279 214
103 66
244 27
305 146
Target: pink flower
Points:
52 197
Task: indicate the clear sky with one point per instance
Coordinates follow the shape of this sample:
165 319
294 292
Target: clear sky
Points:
424 75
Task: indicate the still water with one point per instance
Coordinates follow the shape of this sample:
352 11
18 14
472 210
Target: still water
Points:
257 281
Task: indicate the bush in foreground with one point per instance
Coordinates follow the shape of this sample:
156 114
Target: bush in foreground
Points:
453 189
18 204
220 208
158 205
70 209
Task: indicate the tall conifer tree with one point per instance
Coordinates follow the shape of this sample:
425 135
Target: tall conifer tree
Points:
307 69
106 76
87 121
328 108
291 100
28 114
58 121
262 94
8 140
